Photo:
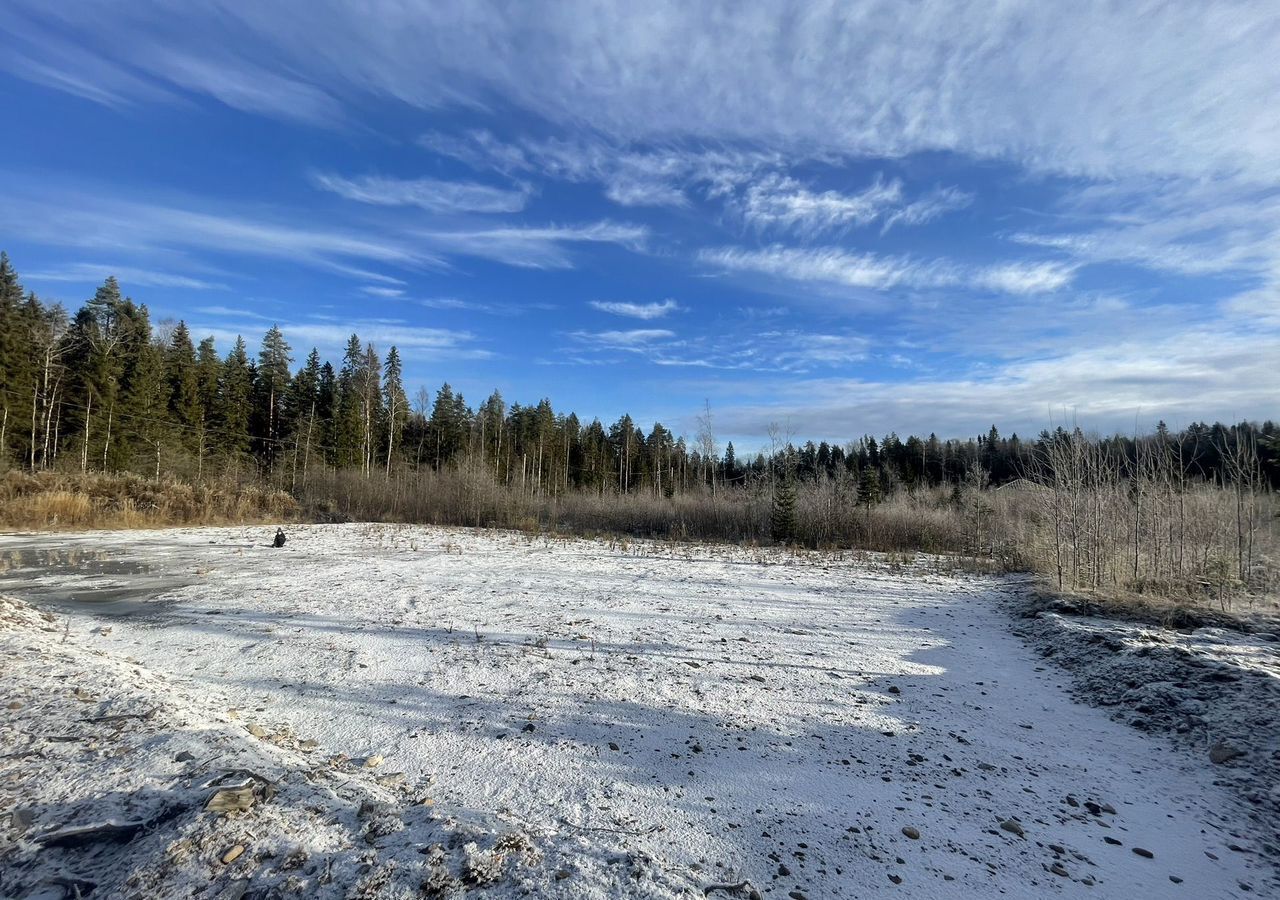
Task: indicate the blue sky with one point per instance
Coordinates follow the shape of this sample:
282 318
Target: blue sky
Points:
842 218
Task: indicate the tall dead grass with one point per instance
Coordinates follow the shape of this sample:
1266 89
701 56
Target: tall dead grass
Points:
53 501
1111 539
1189 544
828 514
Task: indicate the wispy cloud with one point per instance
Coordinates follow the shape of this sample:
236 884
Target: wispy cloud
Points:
424 343
59 217
1023 278
781 202
1172 225
1199 373
634 339
928 207
889 79
234 312
428 193
631 175
644 311
534 247
388 293
878 272
90 273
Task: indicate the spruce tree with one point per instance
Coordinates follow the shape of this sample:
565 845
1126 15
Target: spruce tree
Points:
395 403
326 411
348 425
271 382
869 487
144 424
183 383
235 390
370 406
782 516
16 372
208 376
301 421
95 365
443 428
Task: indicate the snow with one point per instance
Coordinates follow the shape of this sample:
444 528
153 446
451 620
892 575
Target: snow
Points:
776 718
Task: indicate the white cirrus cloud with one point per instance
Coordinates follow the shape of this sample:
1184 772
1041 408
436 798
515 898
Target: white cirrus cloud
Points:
430 194
1203 373
633 339
88 273
644 311
776 201
1095 88
782 201
662 175
533 247
928 207
842 268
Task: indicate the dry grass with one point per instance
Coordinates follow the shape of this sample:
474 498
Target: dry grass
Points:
979 530
54 501
828 516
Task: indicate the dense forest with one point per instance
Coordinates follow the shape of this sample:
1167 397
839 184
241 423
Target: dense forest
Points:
107 390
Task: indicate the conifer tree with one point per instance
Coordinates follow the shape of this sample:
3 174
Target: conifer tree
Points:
869 487
348 426
208 376
782 515
143 392
270 387
444 428
183 383
96 366
300 420
326 411
370 406
13 378
395 403
235 388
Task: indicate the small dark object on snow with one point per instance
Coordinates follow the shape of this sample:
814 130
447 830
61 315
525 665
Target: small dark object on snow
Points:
278 541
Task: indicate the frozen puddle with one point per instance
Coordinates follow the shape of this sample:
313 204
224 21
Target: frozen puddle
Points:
825 726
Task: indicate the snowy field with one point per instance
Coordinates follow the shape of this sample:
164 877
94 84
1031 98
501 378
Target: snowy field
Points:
435 710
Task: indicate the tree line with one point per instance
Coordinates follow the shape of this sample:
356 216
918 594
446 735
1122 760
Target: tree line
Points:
107 390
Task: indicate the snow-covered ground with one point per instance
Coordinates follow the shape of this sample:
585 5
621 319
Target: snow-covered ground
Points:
582 718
